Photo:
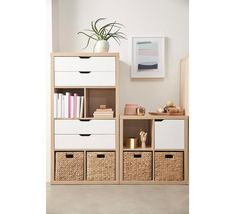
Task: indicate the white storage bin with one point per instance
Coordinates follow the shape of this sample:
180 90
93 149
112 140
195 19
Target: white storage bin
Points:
84 126
169 134
67 142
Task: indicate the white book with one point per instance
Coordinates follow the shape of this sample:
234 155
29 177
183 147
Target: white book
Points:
66 112
78 106
63 107
81 107
60 106
71 106
56 96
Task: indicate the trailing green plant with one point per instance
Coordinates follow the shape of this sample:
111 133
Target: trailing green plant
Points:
105 32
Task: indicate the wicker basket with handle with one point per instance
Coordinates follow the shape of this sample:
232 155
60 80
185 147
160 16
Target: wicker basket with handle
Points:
137 166
69 166
100 166
169 166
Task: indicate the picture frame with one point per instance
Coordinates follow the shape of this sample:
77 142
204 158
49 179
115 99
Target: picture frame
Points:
148 57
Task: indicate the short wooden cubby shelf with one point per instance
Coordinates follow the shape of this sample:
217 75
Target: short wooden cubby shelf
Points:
165 158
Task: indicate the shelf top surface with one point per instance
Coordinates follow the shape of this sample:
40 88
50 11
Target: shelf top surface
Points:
111 54
153 117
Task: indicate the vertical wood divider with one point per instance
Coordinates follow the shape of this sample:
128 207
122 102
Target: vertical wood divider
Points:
85 102
153 146
52 121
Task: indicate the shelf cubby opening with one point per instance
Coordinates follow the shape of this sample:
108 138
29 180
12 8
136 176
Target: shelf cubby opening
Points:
99 96
131 128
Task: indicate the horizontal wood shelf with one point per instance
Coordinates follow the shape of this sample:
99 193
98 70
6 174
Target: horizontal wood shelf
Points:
138 149
153 117
83 87
86 118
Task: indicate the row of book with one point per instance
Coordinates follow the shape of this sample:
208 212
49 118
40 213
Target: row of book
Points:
103 113
68 105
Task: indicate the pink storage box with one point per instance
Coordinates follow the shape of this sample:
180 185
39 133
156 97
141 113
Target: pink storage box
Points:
130 109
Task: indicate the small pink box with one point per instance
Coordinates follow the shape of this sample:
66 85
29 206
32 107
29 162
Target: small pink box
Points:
130 109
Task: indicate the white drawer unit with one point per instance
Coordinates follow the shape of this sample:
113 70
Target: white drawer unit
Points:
84 126
169 134
67 142
79 63
85 78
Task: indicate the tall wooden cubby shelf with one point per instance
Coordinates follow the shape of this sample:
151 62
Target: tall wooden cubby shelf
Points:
95 76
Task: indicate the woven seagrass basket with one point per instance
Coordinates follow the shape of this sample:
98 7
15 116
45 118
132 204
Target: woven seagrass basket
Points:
169 166
101 166
137 166
69 166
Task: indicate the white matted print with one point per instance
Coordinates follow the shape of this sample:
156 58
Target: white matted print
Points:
148 57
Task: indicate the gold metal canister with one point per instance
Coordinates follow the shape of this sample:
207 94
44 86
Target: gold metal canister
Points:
131 143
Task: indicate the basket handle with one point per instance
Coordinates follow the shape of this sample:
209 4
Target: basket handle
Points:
137 155
168 156
100 155
69 155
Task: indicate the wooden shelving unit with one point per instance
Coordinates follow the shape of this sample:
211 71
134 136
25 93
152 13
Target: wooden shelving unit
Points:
130 125
94 95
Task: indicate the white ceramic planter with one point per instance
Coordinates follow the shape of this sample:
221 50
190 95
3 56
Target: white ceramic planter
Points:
101 46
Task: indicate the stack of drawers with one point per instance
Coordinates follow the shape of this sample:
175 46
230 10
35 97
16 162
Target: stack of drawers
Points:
84 134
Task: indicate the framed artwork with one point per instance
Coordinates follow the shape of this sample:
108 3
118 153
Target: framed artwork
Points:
148 57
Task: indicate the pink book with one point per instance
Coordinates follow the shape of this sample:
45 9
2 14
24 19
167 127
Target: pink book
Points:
74 105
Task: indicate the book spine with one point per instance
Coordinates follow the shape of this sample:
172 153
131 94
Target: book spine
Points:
71 106
56 96
78 106
74 105
60 106
67 105
81 107
63 107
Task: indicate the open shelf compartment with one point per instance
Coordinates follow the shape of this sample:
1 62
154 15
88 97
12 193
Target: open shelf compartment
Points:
99 96
131 128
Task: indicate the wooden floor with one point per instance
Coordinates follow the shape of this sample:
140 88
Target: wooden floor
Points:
117 199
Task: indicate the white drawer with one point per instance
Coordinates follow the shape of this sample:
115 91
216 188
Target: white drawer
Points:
84 142
169 134
84 127
92 78
85 64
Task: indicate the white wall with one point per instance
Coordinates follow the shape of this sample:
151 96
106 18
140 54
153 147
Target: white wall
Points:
150 17
167 18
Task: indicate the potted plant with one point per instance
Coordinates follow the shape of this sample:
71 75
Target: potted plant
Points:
101 34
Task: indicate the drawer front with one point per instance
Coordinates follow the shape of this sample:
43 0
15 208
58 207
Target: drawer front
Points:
85 64
101 78
84 142
169 134
84 127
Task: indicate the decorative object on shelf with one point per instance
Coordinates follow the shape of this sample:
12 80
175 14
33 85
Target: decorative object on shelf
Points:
130 109
103 112
131 143
143 138
102 34
140 111
148 57
169 109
